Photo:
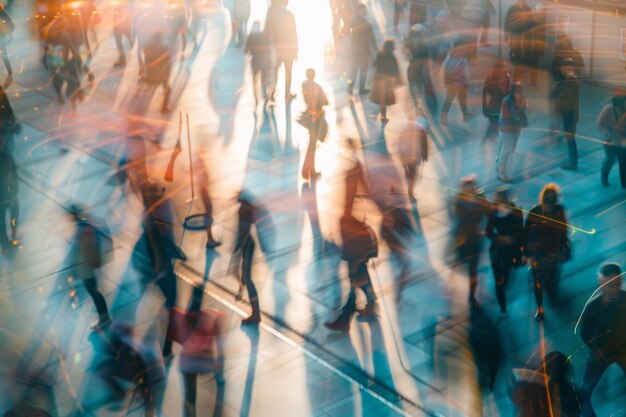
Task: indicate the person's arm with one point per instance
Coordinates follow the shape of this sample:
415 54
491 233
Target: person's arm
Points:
486 96
490 229
602 122
587 324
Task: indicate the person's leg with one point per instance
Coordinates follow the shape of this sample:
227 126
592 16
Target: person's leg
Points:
509 142
4 239
410 171
621 159
121 61
538 271
610 155
447 102
593 372
57 83
166 96
497 266
7 63
98 299
500 165
363 68
288 69
553 277
354 70
569 128
462 97
190 382
247 253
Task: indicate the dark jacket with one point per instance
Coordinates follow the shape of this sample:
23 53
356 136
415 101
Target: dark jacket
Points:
518 20
512 118
569 95
363 39
493 93
603 327
546 231
510 225
258 47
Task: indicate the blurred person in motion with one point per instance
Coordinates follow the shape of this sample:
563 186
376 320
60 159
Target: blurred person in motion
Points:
123 27
257 46
155 66
158 234
9 183
497 85
241 15
418 72
386 79
603 329
456 77
359 245
512 121
414 150
547 244
251 213
314 119
6 30
505 228
363 43
486 10
518 21
528 391
398 12
90 251
470 208
280 27
568 105
612 123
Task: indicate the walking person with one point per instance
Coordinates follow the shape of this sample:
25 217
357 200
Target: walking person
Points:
456 74
398 13
612 123
363 43
470 210
9 202
418 71
386 79
547 244
283 37
89 255
568 104
505 228
6 30
512 121
359 245
497 85
414 150
257 46
156 65
314 119
603 329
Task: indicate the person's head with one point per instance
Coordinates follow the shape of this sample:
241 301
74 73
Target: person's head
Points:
468 185
503 195
549 194
310 74
610 279
388 47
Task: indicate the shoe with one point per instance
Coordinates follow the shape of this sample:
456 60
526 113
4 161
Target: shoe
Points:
364 91
539 314
341 324
252 320
568 166
213 244
101 324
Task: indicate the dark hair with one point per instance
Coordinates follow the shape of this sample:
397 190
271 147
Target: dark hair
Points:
389 46
609 270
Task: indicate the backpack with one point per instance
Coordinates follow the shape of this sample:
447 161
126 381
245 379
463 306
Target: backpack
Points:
359 240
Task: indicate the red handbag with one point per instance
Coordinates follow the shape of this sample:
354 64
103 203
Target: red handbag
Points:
197 331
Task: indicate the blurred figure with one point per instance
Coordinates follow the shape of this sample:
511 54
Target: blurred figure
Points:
314 119
414 150
568 100
203 186
398 13
359 245
497 85
564 49
456 74
486 10
280 27
528 390
386 79
512 121
9 203
612 123
418 72
505 228
470 208
546 233
517 22
6 29
91 244
603 329
363 43
155 66
123 27
251 213
257 46
417 13
241 15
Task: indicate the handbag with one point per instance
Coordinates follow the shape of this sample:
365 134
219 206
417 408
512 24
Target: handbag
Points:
197 330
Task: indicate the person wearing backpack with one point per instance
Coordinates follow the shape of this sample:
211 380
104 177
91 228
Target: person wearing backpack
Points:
89 255
6 29
612 123
359 245
455 69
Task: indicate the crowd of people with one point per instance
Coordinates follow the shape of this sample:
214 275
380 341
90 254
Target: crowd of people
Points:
536 237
